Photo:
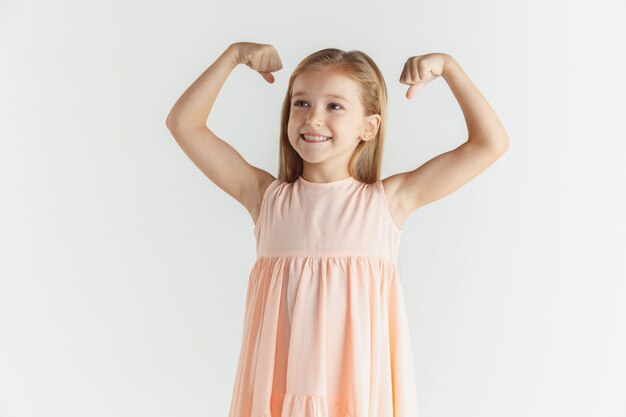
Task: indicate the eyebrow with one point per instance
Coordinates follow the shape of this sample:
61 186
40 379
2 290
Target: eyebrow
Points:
299 93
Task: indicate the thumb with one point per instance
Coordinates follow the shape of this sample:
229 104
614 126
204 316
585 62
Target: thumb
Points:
269 77
413 89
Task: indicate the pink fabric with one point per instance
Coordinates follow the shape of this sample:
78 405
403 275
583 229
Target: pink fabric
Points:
325 332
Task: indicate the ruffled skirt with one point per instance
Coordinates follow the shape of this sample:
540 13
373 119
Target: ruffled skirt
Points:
324 336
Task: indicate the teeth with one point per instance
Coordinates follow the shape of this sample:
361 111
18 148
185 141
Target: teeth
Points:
316 138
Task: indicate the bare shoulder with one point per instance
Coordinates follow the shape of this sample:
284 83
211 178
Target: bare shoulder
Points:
398 208
255 193
437 177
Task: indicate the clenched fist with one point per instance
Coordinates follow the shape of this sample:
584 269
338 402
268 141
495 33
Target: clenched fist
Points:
260 57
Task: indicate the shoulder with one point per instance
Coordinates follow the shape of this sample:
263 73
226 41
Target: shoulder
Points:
256 193
398 208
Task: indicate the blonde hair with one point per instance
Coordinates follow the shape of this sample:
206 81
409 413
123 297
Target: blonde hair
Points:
365 163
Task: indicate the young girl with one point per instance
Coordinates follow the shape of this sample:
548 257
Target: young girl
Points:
325 331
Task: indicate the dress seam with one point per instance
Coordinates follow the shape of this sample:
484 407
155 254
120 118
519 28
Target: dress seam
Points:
342 404
309 256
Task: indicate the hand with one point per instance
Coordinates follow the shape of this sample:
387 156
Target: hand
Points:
260 57
422 69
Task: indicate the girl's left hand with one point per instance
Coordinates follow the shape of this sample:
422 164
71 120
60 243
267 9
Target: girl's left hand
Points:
421 69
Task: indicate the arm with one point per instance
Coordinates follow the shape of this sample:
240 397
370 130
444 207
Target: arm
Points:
192 109
218 160
483 126
445 173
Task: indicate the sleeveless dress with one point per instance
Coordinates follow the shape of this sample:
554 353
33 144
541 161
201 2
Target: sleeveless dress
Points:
325 330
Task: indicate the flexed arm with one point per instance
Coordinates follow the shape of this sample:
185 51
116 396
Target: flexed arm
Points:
445 173
216 158
192 109
483 125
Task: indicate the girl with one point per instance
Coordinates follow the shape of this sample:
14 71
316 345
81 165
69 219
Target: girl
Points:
325 331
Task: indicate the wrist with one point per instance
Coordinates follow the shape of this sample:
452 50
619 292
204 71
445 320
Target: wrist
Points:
232 54
448 65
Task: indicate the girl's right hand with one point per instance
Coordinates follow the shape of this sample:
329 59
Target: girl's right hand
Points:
260 57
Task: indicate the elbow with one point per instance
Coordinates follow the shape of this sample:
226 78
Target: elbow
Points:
169 122
172 125
501 146
505 145
172 121
176 124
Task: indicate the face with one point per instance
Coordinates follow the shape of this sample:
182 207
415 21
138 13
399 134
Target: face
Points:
328 104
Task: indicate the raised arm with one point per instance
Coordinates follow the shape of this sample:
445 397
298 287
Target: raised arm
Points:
218 160
445 173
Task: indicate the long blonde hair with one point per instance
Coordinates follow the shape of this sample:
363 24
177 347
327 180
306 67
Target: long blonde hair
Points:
365 163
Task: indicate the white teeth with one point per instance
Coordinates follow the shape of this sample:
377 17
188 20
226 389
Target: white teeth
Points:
316 138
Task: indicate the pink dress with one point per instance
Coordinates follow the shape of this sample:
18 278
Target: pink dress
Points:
325 332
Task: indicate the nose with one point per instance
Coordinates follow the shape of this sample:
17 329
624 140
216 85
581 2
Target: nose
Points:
311 123
313 117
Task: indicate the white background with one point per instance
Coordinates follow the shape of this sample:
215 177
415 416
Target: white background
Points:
124 269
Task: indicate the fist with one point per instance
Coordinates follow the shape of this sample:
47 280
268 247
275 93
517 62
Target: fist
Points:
421 69
261 57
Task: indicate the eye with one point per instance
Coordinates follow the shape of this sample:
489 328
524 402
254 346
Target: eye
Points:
298 102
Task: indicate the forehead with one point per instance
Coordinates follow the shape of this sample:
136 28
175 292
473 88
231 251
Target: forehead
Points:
323 83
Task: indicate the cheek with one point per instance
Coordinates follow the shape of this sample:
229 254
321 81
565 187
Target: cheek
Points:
295 116
292 132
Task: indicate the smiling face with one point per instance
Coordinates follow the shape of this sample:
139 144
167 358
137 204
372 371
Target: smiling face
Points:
329 104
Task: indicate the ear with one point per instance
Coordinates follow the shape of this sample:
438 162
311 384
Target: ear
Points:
372 124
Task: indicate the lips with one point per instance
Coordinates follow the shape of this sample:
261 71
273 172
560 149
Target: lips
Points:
316 141
315 134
